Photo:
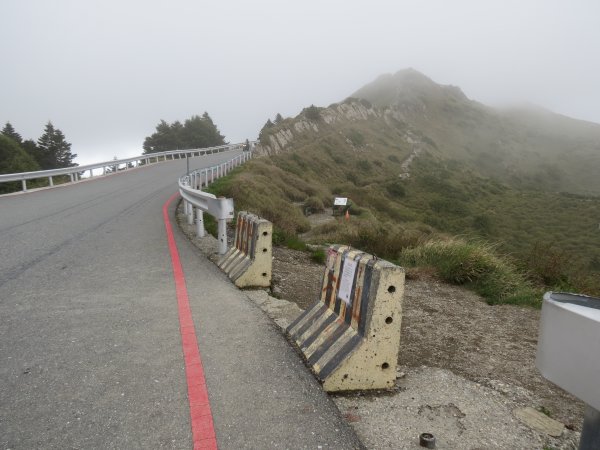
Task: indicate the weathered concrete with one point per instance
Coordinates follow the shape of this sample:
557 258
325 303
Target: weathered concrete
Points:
351 336
249 261
539 421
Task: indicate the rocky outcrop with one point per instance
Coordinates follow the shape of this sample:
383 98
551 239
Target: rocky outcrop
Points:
280 139
350 111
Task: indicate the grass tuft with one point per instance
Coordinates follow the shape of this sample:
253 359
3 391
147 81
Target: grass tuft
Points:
318 256
477 266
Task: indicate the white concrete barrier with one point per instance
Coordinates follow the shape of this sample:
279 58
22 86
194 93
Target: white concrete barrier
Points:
249 262
351 335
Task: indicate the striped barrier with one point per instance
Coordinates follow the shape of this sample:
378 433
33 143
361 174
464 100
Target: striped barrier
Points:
351 336
249 261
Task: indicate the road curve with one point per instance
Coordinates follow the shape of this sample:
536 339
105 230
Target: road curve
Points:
90 345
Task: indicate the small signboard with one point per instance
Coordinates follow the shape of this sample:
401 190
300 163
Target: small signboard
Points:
340 201
347 279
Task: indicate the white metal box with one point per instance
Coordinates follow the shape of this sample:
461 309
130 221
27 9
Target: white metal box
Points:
568 352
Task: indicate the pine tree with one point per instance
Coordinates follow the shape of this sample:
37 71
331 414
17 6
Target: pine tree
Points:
10 132
278 118
54 150
32 149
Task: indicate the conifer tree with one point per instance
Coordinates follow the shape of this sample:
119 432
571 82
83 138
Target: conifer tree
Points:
195 132
10 132
54 150
13 159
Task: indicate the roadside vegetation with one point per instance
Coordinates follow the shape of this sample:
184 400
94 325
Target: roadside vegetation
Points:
506 203
195 132
50 151
507 244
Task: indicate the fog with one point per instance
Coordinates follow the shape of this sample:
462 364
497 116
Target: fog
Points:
106 72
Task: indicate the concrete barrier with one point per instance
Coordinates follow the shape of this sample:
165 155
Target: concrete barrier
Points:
351 336
249 261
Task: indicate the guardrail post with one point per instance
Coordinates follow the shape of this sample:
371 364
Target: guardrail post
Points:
50 181
190 213
222 236
24 185
71 175
200 232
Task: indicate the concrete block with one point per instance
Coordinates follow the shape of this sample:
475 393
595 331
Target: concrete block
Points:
351 335
249 262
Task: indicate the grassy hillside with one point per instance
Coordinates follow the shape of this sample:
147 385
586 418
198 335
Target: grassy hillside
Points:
524 147
428 189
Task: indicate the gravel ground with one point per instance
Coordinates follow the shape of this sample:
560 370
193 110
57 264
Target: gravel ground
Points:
465 370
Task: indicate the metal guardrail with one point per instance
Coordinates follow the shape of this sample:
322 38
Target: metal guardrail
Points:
76 172
221 208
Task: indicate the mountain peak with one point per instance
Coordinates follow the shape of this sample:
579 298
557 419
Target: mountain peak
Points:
407 86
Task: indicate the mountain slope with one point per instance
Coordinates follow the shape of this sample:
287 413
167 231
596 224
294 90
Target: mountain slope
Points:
524 147
422 162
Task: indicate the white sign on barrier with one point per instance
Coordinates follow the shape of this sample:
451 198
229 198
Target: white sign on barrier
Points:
347 278
340 201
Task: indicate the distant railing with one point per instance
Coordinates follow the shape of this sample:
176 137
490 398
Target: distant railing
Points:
190 188
76 172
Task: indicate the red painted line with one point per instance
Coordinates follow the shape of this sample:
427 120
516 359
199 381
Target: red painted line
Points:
203 431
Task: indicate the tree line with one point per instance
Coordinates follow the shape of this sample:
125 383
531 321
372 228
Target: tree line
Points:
50 151
195 132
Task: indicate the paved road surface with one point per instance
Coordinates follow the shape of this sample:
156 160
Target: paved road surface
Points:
90 347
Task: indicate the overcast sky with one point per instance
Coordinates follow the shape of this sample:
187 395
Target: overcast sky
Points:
105 72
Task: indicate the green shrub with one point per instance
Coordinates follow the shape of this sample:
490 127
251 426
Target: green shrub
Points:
395 188
355 210
318 256
482 223
356 138
313 205
285 239
364 166
475 265
312 113
210 225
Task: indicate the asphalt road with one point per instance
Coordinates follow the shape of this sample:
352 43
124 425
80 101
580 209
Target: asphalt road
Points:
90 349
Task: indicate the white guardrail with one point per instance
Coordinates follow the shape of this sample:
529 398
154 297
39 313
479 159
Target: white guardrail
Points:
221 208
76 172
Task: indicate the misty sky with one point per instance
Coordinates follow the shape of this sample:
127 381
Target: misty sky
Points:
105 72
